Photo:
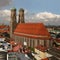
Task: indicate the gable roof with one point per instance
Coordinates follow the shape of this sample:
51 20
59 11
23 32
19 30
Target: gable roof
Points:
41 48
4 28
32 30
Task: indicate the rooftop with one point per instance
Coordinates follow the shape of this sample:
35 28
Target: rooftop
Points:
32 30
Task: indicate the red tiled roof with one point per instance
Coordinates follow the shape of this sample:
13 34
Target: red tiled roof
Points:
32 30
58 40
2 26
2 37
41 48
16 48
4 30
45 59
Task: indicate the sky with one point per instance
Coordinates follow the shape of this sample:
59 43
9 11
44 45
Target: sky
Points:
46 11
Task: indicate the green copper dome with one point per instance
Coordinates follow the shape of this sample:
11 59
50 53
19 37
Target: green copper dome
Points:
13 8
21 9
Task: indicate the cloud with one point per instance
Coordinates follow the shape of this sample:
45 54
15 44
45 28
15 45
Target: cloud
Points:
4 16
5 3
44 17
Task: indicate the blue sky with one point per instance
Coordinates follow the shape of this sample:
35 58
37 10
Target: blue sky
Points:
38 5
46 11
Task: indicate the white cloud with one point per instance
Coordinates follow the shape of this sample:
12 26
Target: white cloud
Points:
5 3
4 13
44 17
4 16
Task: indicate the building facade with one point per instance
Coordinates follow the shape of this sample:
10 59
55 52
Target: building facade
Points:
28 32
33 34
13 21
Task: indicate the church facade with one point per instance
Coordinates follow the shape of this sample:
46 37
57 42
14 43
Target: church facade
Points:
33 34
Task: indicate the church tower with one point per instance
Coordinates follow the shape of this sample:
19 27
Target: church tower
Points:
13 22
21 16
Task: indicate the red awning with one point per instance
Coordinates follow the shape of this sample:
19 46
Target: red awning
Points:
32 30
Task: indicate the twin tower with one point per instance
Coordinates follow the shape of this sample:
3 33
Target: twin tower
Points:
13 22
